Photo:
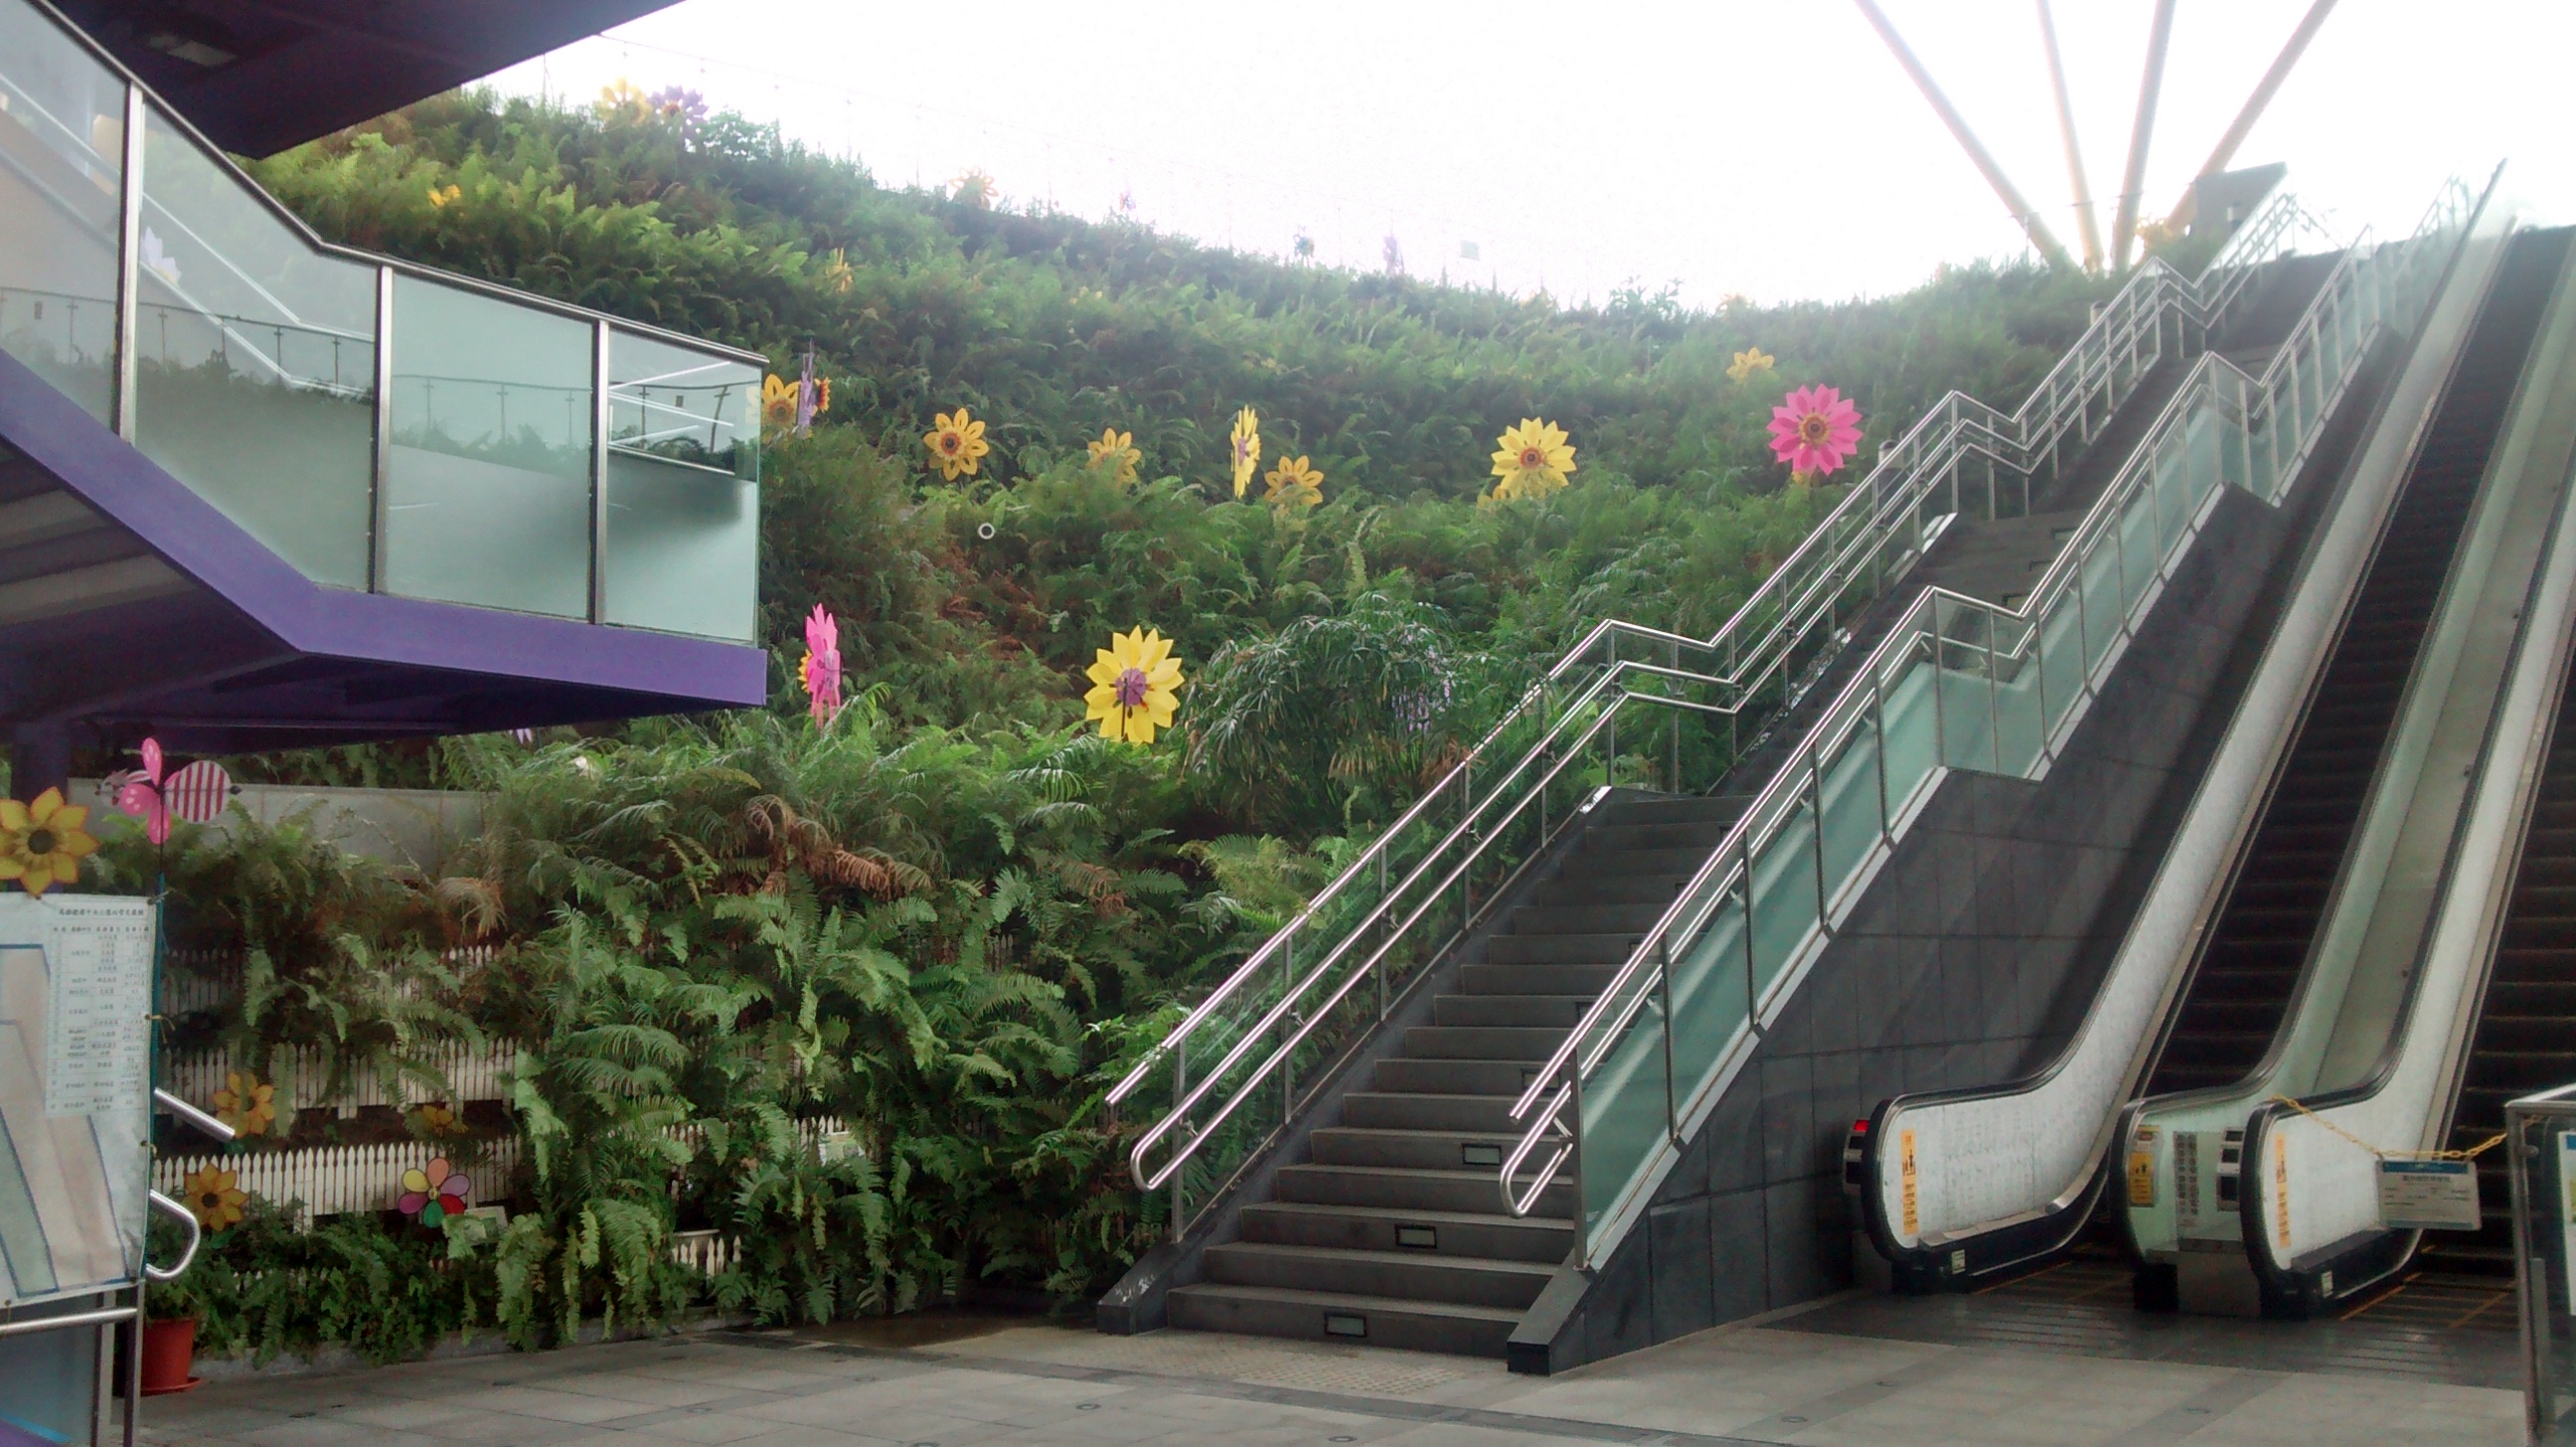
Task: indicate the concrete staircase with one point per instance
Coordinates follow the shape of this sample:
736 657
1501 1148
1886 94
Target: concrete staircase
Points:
1394 1231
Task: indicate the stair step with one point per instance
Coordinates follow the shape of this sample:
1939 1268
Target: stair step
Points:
1555 1012
1650 889
1587 919
1410 1110
1587 980
1376 1228
1621 838
1396 1188
1626 863
1564 949
1430 1150
1481 1042
1397 1075
1417 1276
1322 1316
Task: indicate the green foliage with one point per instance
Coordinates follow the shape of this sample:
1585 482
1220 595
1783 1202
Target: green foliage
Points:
954 918
262 1287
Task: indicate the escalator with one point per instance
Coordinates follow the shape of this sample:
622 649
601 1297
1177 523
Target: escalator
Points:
2526 1034
2259 944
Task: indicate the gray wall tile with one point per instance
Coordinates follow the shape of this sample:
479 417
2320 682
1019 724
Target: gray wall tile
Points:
1739 1256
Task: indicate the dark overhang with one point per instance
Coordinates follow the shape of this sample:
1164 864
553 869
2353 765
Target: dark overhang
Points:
258 76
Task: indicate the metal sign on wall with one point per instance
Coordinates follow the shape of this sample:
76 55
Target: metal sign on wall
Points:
75 1093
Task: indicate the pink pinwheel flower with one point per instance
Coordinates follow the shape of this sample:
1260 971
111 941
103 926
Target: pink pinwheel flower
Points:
822 667
139 794
1816 431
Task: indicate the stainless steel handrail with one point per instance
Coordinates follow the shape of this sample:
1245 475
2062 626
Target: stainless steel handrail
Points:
1630 986
1915 467
187 1219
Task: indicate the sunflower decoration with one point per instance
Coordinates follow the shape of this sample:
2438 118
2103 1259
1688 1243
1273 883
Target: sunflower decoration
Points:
1531 460
956 443
1750 361
1294 484
246 1104
1120 448
215 1197
42 842
443 197
777 401
1134 683
1243 446
436 1119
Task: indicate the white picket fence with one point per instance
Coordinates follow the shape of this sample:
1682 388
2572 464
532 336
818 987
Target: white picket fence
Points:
304 1084
334 1180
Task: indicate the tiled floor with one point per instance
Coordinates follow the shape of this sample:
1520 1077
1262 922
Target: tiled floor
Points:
2424 1325
1004 1382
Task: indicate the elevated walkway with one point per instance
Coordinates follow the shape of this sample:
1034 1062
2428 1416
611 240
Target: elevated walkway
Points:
258 491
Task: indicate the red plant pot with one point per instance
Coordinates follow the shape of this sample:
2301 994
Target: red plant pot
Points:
169 1349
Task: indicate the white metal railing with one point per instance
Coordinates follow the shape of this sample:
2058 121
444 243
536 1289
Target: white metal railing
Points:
1958 683
1292 1010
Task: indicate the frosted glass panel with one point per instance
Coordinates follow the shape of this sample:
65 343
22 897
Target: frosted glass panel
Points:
682 549
255 365
489 497
62 149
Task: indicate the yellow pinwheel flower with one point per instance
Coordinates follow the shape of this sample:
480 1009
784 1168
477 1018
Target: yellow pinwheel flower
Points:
1119 447
246 1104
1532 460
777 400
215 1197
956 443
1135 681
443 196
436 1120
1750 361
42 842
1244 447
1294 484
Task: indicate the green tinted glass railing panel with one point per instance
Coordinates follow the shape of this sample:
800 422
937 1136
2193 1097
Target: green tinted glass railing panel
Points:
681 545
488 499
2098 579
62 163
2021 718
1852 817
255 365
1913 738
1712 991
1785 906
2061 666
1626 1112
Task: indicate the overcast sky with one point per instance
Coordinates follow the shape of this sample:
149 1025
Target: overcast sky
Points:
1768 147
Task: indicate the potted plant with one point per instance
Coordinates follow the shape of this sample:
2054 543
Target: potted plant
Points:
171 1308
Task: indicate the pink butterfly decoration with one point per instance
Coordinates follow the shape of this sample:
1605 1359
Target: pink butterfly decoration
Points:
823 664
139 794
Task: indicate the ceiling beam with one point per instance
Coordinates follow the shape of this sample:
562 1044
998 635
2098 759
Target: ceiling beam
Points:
1984 161
2133 181
2225 151
2085 228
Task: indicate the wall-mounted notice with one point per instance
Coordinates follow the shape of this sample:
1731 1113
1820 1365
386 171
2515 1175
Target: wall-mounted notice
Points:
97 1034
75 1106
2428 1195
